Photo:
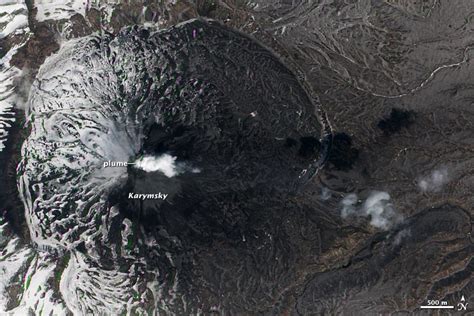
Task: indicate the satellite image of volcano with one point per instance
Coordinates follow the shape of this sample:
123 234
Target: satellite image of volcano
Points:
230 157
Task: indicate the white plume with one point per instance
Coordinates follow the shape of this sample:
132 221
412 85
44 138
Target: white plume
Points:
165 164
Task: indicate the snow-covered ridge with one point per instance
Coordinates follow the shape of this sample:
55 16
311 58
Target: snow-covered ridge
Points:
13 21
7 101
13 257
74 128
89 104
78 121
55 10
13 17
64 9
78 118
59 9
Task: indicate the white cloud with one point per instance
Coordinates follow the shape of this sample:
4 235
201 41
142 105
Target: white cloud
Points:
382 213
165 164
381 210
401 235
348 205
325 194
435 181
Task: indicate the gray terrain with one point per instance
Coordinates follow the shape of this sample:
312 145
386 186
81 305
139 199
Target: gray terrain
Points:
324 157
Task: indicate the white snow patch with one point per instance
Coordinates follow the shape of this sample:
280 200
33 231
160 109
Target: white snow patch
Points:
59 9
13 17
7 96
13 256
38 295
434 181
18 22
87 289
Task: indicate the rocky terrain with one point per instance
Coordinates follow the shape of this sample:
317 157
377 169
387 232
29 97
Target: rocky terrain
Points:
350 193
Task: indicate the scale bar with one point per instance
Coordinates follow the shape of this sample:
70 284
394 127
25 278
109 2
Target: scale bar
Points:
434 306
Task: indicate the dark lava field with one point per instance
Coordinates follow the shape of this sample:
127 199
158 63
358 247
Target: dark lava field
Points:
325 152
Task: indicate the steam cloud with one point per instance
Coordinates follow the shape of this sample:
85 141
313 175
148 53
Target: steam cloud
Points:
382 213
401 235
435 181
165 164
325 194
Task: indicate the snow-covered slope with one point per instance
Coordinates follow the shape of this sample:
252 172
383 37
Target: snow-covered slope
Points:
13 22
13 17
7 97
77 122
44 277
59 9
14 261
